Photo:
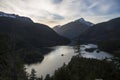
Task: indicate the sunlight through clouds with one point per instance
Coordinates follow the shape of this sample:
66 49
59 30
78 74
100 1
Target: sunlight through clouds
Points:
54 12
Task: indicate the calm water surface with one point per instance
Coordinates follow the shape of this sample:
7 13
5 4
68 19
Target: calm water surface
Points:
54 60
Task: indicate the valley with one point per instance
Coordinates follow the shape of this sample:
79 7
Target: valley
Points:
74 51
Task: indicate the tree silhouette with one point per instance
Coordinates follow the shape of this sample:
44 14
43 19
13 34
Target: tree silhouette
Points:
33 74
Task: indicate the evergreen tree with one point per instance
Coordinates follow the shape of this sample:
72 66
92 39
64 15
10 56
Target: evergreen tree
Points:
33 75
47 77
11 67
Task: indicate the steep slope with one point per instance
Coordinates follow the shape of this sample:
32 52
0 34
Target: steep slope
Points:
73 29
27 33
105 31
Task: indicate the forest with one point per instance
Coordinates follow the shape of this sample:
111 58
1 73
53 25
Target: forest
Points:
12 66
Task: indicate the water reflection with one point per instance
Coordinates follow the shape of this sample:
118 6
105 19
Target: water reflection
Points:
53 61
61 55
96 54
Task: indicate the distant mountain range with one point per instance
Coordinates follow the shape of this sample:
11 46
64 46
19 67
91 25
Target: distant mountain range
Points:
87 32
27 33
105 31
73 29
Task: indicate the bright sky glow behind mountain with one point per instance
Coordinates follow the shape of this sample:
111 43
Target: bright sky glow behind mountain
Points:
55 12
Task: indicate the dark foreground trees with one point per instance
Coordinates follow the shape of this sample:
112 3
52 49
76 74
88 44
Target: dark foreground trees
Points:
87 69
11 67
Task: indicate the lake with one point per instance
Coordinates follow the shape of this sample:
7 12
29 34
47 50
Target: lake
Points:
61 55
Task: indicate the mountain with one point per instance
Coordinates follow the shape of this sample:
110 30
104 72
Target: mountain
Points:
82 20
17 17
27 33
105 31
73 29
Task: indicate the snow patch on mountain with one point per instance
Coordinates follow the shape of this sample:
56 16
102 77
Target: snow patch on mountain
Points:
14 16
82 20
2 14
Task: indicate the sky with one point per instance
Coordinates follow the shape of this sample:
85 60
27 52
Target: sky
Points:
59 12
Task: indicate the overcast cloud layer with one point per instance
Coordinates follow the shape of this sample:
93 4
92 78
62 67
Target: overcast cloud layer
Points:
54 12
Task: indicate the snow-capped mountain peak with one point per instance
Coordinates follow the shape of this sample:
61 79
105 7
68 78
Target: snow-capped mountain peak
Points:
14 16
2 14
82 20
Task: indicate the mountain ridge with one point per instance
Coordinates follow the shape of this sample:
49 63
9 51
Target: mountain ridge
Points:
73 29
102 31
30 33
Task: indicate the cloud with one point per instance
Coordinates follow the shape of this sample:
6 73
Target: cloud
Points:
57 1
105 8
53 12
